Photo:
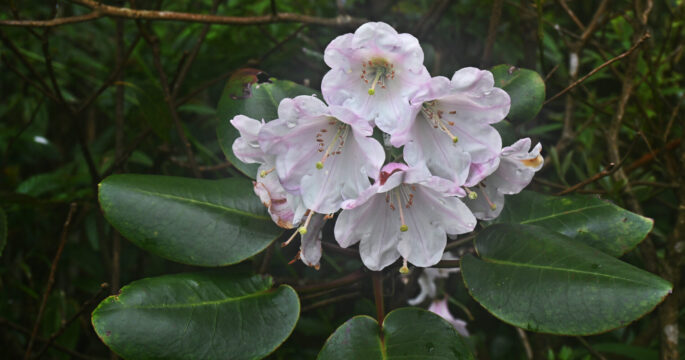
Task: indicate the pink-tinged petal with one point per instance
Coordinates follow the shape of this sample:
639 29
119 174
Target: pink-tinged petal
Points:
380 72
343 176
403 175
479 171
338 53
436 88
351 118
246 148
441 308
472 79
295 148
449 212
481 141
442 156
489 202
285 209
374 225
517 167
310 245
302 108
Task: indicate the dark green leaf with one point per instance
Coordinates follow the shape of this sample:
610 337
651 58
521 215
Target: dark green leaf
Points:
260 102
408 333
192 221
595 222
197 316
526 89
543 281
3 230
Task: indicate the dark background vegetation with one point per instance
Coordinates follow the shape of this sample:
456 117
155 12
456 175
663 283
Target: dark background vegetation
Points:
82 100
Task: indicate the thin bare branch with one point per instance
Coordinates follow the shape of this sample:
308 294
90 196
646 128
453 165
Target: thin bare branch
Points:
102 10
51 280
597 69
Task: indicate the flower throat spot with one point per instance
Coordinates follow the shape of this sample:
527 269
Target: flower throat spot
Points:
383 71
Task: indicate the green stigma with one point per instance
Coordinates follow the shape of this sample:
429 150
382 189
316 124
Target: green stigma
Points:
404 228
372 91
473 195
302 230
455 139
319 165
404 270
493 207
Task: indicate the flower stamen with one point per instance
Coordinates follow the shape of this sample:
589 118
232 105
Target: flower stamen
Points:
472 194
339 140
264 173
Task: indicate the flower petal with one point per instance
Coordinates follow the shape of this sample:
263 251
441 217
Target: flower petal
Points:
310 245
246 148
344 175
376 226
441 155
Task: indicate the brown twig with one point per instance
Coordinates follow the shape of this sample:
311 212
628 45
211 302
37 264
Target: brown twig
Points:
51 280
193 54
597 69
646 158
345 280
526 344
86 305
111 78
447 264
156 58
101 10
495 15
606 172
118 162
343 251
329 301
5 40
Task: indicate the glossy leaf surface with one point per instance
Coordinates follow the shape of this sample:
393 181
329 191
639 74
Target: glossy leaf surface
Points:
526 89
192 221
543 281
197 316
408 333
595 222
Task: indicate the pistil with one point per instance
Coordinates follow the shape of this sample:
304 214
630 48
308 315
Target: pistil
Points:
487 198
372 90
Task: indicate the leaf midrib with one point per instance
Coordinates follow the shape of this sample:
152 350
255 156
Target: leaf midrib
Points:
193 201
552 268
562 213
188 305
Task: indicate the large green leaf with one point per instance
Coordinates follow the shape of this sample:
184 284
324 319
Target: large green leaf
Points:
526 89
197 316
192 221
3 230
596 222
543 281
408 333
259 102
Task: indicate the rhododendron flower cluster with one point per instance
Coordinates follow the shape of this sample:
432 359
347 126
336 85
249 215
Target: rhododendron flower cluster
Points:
318 158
